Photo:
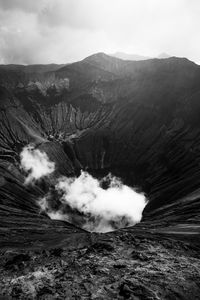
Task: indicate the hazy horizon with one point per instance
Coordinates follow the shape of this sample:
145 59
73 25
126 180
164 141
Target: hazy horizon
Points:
64 31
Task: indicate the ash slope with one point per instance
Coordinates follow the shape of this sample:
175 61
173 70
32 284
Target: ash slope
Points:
139 120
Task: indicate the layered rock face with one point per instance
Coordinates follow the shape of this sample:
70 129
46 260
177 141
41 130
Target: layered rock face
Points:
138 120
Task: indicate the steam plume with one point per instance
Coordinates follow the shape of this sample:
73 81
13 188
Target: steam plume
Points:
36 163
107 209
83 200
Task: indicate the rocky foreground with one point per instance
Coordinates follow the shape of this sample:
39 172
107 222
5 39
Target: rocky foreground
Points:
128 264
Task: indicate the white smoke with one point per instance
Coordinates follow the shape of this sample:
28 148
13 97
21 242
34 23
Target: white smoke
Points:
83 200
36 163
114 207
54 215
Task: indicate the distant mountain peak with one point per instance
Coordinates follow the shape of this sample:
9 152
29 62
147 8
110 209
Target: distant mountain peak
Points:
127 56
104 61
97 56
137 57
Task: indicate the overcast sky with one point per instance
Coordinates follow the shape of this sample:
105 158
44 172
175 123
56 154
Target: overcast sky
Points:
61 31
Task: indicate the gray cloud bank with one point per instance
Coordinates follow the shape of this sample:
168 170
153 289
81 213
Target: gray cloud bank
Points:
61 31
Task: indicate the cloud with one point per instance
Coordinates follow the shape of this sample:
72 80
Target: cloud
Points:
36 163
62 31
69 14
24 5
